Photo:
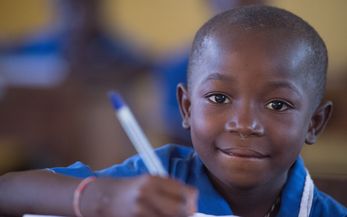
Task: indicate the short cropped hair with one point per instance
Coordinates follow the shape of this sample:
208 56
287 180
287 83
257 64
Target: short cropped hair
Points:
261 17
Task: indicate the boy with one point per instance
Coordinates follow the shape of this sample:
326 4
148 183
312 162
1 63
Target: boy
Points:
254 96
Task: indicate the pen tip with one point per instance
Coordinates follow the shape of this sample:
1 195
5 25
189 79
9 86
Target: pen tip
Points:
116 100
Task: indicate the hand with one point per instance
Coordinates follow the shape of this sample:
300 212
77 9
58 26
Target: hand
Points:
142 196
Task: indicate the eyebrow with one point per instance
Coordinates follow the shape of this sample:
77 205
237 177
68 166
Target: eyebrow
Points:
219 76
284 84
275 84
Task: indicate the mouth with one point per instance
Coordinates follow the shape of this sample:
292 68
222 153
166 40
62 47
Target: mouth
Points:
243 153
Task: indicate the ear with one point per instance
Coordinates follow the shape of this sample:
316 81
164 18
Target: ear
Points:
318 122
184 105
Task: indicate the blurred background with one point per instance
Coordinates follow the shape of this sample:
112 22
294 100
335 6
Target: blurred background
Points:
58 59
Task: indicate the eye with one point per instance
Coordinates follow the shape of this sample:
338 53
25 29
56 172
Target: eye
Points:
278 105
218 98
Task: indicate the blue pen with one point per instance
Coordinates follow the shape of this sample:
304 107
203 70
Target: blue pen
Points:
136 135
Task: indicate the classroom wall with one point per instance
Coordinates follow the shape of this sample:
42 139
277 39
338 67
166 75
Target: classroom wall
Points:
163 26
166 25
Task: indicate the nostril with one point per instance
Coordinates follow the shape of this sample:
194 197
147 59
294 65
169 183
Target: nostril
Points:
258 129
244 130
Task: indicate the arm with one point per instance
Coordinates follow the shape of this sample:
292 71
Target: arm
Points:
37 191
47 193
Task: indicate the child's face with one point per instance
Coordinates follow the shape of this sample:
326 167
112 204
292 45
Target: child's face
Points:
248 107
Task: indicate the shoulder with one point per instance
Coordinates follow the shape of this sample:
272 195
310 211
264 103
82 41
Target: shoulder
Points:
324 205
172 151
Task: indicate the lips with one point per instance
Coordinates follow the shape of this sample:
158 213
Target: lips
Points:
243 153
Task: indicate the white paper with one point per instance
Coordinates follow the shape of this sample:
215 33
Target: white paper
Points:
206 215
195 215
30 215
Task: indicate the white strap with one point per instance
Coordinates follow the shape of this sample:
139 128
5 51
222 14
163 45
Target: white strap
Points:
307 197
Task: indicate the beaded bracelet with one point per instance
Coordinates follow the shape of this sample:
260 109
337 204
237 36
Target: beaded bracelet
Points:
77 194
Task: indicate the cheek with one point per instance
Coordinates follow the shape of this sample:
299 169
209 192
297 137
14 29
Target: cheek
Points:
204 125
288 136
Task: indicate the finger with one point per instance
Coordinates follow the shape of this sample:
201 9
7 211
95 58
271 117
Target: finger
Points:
143 210
182 193
192 197
172 188
166 206
173 198
167 196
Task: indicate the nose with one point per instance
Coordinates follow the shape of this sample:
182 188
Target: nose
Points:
245 122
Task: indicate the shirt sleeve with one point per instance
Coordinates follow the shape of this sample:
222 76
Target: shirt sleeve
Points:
133 166
130 167
78 170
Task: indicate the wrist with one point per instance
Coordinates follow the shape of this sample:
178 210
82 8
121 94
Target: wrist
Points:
79 194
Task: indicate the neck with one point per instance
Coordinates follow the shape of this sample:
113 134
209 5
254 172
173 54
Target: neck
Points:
252 201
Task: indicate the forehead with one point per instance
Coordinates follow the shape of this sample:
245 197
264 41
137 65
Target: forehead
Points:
275 53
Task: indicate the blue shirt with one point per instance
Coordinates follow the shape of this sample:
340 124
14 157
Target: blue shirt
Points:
184 164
